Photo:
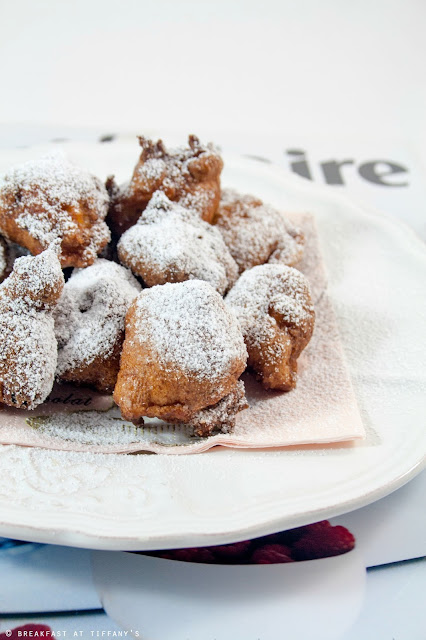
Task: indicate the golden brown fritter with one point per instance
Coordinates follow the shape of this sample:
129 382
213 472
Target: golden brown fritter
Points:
52 202
276 315
220 417
89 324
170 243
28 348
256 233
189 175
183 352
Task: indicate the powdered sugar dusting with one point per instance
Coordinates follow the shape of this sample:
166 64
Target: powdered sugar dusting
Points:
321 409
88 428
170 244
36 282
91 312
311 263
188 175
44 194
200 200
28 346
188 325
264 292
173 170
256 233
221 416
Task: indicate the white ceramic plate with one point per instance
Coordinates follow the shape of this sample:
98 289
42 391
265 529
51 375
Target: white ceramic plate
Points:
377 271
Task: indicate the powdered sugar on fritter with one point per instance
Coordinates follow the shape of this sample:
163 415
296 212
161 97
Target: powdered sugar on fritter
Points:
170 243
45 192
256 233
265 291
28 351
172 166
187 325
221 416
91 312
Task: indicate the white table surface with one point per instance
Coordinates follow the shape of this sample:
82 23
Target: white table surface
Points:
393 610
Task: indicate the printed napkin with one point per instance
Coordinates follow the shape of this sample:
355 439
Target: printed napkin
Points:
322 409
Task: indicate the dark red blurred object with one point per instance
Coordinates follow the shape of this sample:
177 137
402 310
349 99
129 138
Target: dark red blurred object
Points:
27 631
233 551
311 542
272 554
198 554
316 544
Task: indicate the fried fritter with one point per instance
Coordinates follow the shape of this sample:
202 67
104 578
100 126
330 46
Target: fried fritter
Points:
276 315
52 202
189 175
28 348
89 324
183 352
256 233
170 243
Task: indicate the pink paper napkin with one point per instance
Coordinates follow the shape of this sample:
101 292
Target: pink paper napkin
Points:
322 409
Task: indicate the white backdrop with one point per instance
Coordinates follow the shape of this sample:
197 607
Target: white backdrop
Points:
305 66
